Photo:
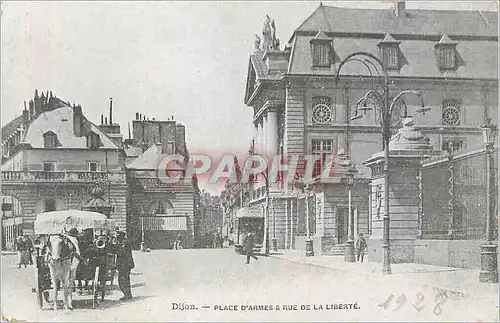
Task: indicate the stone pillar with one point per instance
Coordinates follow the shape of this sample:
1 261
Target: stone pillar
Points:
406 149
272 132
259 136
272 139
265 150
255 135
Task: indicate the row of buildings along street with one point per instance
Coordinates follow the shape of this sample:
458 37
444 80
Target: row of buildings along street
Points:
325 91
53 156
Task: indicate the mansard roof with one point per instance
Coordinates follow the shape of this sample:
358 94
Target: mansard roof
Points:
61 122
420 58
418 33
416 22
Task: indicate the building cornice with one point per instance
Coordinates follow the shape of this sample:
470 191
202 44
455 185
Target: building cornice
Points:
444 79
268 105
400 37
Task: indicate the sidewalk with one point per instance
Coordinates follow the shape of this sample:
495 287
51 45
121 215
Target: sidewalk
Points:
458 281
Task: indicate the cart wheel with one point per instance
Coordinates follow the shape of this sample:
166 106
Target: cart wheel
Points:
95 288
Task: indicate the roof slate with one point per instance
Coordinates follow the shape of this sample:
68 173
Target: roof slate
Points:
389 39
10 127
421 22
60 122
419 54
150 159
446 40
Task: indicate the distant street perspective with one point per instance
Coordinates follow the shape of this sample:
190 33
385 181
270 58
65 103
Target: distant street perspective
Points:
171 285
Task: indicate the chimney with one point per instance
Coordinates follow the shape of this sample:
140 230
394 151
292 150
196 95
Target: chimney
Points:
140 116
102 119
111 111
77 120
106 120
400 9
26 116
137 116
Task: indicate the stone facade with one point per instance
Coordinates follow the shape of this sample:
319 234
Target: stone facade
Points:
56 171
314 108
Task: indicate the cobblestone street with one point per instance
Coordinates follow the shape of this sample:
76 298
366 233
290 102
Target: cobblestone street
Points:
218 278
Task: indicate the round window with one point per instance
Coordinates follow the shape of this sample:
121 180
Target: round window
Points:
451 115
322 114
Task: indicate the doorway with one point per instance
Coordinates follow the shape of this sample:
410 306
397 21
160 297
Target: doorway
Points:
343 223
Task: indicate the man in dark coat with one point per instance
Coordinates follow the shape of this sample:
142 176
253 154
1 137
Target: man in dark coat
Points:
124 263
249 245
29 246
360 247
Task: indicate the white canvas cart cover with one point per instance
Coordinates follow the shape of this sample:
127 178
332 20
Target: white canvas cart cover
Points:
59 221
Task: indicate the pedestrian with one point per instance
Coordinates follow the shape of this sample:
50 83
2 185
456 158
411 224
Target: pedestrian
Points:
249 245
29 246
178 243
22 248
124 264
360 247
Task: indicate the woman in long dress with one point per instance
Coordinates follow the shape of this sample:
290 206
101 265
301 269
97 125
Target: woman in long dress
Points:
22 248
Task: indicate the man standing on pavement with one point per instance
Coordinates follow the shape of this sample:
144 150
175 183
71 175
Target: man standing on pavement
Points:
124 263
249 245
360 247
29 246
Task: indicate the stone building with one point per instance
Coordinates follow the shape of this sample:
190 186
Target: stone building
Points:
299 108
52 156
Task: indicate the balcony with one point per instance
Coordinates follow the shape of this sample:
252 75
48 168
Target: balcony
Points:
65 176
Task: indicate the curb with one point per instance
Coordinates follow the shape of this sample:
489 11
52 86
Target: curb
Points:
449 292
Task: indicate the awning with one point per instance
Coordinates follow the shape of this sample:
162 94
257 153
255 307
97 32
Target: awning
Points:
167 223
247 212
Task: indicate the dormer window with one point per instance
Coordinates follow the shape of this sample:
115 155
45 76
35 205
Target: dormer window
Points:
321 50
447 58
446 53
93 140
50 140
389 52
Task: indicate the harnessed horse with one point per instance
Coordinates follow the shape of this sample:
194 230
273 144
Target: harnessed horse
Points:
62 263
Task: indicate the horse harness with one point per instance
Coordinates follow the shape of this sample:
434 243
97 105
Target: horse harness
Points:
68 250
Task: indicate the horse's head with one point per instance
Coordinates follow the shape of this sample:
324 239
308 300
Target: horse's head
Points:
58 247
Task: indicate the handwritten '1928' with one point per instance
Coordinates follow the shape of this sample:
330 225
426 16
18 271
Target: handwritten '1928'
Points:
418 305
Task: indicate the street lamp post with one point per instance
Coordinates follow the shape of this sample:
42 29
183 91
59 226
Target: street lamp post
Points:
489 269
274 241
143 245
451 188
309 241
349 255
266 176
386 113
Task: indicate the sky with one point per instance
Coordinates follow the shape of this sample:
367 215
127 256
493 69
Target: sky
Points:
183 59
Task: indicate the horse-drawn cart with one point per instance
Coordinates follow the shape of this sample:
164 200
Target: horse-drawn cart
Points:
96 240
